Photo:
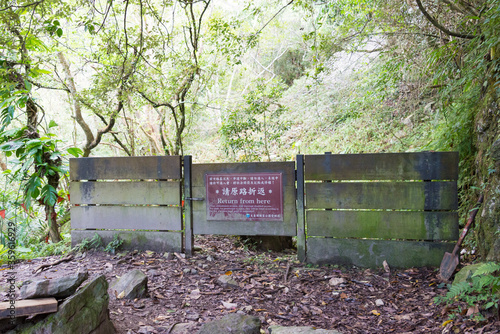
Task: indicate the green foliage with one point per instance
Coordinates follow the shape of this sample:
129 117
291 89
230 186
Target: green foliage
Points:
291 66
224 38
481 289
38 159
114 245
43 249
88 244
251 128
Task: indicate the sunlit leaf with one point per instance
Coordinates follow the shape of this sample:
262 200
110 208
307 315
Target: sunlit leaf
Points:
75 151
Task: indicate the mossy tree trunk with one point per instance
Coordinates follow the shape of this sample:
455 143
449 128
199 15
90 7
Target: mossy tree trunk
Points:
488 169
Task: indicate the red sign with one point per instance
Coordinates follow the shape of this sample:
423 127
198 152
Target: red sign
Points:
244 197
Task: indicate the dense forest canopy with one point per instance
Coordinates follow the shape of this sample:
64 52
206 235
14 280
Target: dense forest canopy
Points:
244 81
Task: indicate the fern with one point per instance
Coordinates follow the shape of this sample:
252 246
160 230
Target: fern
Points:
458 290
87 244
96 241
487 268
114 244
481 288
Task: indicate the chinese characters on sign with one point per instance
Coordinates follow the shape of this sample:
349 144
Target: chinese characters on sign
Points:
244 197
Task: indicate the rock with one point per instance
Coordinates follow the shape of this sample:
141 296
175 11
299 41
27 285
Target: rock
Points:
85 312
131 285
336 281
379 302
168 256
59 288
183 328
153 273
147 330
232 324
299 330
227 281
465 273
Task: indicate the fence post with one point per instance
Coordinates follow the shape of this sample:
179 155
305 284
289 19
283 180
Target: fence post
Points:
188 208
301 235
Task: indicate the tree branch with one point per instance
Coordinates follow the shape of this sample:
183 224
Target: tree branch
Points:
439 26
78 112
39 85
272 18
118 141
36 3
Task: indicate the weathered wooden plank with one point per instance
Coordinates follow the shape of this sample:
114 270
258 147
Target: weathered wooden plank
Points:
301 226
382 195
161 218
288 227
412 225
241 228
383 166
188 208
27 307
153 193
140 240
150 167
371 253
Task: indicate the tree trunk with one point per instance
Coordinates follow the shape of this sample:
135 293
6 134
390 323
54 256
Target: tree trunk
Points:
51 216
488 171
488 162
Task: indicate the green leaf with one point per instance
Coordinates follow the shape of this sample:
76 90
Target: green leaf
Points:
59 32
11 146
37 71
52 124
49 195
75 151
28 85
34 43
488 305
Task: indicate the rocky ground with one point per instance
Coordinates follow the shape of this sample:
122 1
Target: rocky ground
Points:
272 286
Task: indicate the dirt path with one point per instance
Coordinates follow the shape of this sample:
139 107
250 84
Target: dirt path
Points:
272 286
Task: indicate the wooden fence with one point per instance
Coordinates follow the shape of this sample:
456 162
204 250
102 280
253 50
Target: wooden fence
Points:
136 198
362 209
353 209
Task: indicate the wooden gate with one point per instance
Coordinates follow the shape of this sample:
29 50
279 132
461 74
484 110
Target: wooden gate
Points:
362 209
136 198
351 209
240 177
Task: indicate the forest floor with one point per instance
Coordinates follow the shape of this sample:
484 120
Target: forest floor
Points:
272 286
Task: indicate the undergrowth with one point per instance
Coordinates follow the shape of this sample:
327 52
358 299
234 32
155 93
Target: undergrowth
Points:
480 292
97 243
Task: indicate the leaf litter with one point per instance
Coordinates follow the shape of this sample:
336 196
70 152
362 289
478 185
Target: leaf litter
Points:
272 286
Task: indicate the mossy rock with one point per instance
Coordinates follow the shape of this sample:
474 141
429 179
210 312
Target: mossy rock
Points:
85 312
466 272
232 324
